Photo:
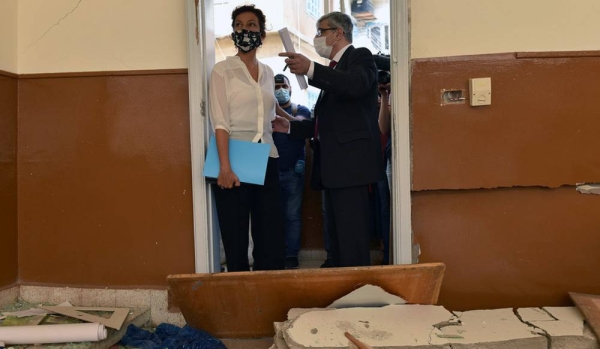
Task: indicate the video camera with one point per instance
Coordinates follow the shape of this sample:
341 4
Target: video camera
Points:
382 61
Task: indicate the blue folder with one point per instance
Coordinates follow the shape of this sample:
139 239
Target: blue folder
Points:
248 160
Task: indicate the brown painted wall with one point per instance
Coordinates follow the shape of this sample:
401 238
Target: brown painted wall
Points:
541 128
512 247
8 178
105 196
536 239
105 180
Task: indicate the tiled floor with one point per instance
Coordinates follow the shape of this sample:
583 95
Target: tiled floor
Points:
311 263
311 259
314 258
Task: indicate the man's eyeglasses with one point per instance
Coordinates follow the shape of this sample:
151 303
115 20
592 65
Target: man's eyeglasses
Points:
320 31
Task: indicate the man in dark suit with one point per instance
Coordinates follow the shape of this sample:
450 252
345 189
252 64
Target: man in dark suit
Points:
347 152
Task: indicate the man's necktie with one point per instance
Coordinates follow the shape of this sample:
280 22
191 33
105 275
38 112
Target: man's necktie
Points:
331 65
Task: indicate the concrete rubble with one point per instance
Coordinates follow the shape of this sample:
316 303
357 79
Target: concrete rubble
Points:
403 326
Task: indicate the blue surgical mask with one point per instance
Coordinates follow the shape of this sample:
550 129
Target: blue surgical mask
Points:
246 40
282 95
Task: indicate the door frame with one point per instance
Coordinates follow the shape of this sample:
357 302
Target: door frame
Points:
201 53
200 18
401 142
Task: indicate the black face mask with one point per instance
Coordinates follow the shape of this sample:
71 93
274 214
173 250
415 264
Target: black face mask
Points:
246 40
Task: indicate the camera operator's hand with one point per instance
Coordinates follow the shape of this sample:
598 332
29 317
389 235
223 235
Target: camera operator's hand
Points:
384 88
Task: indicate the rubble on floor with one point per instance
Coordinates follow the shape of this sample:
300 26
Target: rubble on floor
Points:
403 326
34 317
242 308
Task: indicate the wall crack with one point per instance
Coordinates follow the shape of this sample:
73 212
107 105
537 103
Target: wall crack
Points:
537 329
53 26
436 330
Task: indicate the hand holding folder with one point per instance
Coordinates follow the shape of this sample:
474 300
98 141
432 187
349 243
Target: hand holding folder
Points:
248 161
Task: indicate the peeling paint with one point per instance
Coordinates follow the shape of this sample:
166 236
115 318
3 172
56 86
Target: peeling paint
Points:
592 188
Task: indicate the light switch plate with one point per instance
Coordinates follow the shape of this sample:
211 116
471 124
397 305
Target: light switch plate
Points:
480 90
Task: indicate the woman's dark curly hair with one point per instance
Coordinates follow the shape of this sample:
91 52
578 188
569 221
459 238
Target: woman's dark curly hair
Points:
262 20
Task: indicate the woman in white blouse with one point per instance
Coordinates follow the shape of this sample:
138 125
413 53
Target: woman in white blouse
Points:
242 106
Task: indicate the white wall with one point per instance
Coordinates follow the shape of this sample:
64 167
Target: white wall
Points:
464 27
100 35
8 35
104 35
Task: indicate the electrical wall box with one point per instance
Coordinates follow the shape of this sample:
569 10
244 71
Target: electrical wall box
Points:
480 90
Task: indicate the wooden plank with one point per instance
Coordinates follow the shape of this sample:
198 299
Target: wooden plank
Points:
590 307
245 304
356 342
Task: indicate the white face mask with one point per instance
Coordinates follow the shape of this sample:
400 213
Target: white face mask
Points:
321 46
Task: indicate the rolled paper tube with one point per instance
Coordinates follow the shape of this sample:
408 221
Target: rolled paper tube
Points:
42 334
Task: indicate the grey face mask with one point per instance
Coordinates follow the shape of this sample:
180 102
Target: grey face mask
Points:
246 40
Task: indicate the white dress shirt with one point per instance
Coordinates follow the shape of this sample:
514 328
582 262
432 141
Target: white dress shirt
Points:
241 106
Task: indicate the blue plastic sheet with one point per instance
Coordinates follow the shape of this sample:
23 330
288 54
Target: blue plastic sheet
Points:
170 336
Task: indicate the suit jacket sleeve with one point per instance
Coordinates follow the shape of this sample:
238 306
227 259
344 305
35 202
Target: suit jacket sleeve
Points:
354 80
302 129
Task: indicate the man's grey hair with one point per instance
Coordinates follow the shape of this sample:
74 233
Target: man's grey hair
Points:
339 20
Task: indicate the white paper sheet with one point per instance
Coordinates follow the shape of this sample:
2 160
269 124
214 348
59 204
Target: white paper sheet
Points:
367 296
289 47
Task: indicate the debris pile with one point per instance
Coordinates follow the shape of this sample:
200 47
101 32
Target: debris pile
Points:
70 324
359 321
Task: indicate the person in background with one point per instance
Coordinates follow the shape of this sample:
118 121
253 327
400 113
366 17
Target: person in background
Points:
291 170
242 106
347 151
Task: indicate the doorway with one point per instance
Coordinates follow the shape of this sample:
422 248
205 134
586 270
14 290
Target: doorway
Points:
205 47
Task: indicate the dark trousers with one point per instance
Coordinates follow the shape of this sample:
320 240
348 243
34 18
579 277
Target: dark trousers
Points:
262 203
348 224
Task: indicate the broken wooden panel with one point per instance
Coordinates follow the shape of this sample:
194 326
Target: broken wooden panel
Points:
590 307
246 304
